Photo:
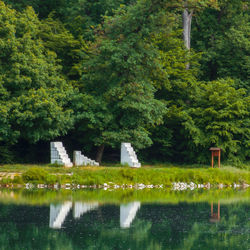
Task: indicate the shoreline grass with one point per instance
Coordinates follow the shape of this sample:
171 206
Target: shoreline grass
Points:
148 175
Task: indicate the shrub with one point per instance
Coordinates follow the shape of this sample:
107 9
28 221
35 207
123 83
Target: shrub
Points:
7 180
56 165
35 175
18 180
51 179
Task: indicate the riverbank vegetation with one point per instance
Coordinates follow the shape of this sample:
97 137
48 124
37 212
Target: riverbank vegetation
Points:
124 176
94 74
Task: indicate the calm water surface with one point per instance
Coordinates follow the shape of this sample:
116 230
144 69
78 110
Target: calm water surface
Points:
72 224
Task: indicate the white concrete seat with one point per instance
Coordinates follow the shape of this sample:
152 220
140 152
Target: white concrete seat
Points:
128 155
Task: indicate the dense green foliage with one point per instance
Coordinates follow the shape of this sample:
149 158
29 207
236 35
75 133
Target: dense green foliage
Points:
95 74
225 43
34 100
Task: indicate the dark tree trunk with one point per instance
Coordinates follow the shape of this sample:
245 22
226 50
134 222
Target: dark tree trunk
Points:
99 153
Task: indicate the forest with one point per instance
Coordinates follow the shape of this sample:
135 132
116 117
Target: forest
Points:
169 76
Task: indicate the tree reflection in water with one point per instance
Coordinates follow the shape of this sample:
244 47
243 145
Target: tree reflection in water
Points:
94 225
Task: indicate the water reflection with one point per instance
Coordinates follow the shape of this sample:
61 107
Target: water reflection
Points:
59 212
128 213
95 224
215 217
81 208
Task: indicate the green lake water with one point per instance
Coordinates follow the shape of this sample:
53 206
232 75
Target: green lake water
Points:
149 219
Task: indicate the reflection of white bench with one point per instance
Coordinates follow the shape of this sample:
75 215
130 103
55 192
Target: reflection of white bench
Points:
59 155
81 208
128 213
58 213
80 160
128 155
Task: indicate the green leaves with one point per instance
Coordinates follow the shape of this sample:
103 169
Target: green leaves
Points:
220 115
223 36
116 78
33 96
113 71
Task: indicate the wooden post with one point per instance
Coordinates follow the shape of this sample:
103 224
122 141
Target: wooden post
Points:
212 161
219 159
215 152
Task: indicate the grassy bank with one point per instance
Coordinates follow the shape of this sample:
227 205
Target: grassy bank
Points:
154 175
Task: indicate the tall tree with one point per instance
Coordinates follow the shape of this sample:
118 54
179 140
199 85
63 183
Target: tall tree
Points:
83 16
42 7
34 98
225 44
117 77
190 6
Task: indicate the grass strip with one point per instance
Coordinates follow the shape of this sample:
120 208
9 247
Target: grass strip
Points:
125 175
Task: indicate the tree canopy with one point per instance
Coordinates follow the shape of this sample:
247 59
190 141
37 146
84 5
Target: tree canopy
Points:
34 95
100 73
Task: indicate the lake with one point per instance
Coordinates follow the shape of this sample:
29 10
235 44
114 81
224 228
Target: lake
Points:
124 219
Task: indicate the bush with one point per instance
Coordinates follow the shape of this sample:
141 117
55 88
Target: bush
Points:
35 175
7 180
18 180
56 165
6 155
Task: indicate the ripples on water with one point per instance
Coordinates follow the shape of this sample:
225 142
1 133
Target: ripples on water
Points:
129 225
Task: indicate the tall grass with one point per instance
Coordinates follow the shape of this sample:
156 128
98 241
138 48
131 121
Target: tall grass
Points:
125 175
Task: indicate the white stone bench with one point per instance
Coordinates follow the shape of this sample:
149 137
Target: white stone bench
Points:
80 160
128 155
59 155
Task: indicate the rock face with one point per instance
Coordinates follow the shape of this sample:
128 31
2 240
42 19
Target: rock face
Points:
128 155
59 155
79 160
